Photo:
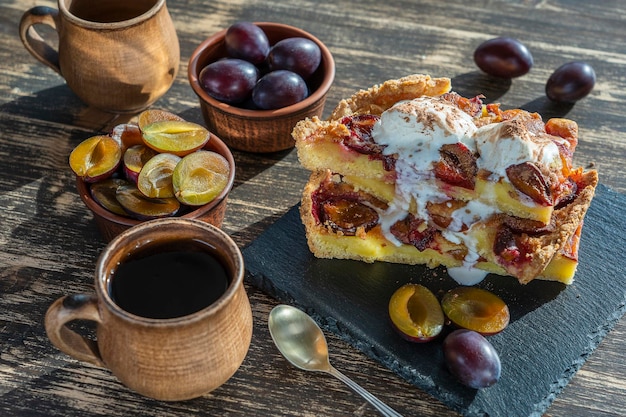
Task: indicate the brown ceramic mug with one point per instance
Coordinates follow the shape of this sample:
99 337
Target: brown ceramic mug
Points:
175 338
116 55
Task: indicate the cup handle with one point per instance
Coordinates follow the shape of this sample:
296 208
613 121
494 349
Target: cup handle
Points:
33 41
63 311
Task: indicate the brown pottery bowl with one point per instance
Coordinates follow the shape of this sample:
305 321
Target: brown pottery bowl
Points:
111 224
259 130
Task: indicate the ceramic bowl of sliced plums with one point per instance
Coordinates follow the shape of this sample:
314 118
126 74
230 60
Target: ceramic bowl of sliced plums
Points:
157 166
256 80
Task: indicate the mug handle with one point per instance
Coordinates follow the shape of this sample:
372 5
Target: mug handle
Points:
33 41
63 311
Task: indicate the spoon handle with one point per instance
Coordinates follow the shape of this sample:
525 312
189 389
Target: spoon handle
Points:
384 409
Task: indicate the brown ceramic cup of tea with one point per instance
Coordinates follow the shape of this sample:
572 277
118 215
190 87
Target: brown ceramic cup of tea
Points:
116 55
173 320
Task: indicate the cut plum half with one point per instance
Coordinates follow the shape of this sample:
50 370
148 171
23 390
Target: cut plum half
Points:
127 134
155 178
96 158
200 177
176 137
135 158
416 313
476 309
104 193
155 115
136 204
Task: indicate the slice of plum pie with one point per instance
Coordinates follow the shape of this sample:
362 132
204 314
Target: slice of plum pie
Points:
410 172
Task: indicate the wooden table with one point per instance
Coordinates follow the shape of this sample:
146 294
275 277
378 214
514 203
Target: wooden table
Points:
49 242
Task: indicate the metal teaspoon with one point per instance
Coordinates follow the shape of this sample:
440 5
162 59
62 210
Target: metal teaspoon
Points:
302 342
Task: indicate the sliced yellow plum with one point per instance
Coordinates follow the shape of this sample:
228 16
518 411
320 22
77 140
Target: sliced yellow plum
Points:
144 208
127 134
416 313
176 137
104 193
95 158
476 309
155 115
200 177
155 178
135 158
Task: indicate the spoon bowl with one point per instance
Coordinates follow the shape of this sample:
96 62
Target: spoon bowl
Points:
300 340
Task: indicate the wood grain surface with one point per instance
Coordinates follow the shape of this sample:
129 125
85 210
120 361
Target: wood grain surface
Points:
49 243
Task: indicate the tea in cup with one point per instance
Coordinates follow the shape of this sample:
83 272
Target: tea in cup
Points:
116 55
173 320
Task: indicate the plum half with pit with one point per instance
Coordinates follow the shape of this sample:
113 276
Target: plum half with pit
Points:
155 178
96 158
415 313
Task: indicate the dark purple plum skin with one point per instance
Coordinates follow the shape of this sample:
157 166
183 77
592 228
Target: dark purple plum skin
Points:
471 359
571 82
229 80
299 55
247 41
503 57
280 88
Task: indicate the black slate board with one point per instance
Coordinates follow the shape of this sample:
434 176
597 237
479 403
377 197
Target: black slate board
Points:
553 328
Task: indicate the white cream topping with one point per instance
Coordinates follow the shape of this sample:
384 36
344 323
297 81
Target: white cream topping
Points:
459 231
501 145
473 212
415 130
467 275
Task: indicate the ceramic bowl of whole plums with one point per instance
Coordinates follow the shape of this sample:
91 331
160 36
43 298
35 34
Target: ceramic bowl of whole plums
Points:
256 80
159 166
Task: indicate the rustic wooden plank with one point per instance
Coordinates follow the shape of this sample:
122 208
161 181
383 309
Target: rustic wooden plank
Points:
49 244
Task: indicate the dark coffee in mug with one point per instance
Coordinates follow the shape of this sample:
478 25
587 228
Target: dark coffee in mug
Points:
108 11
168 281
